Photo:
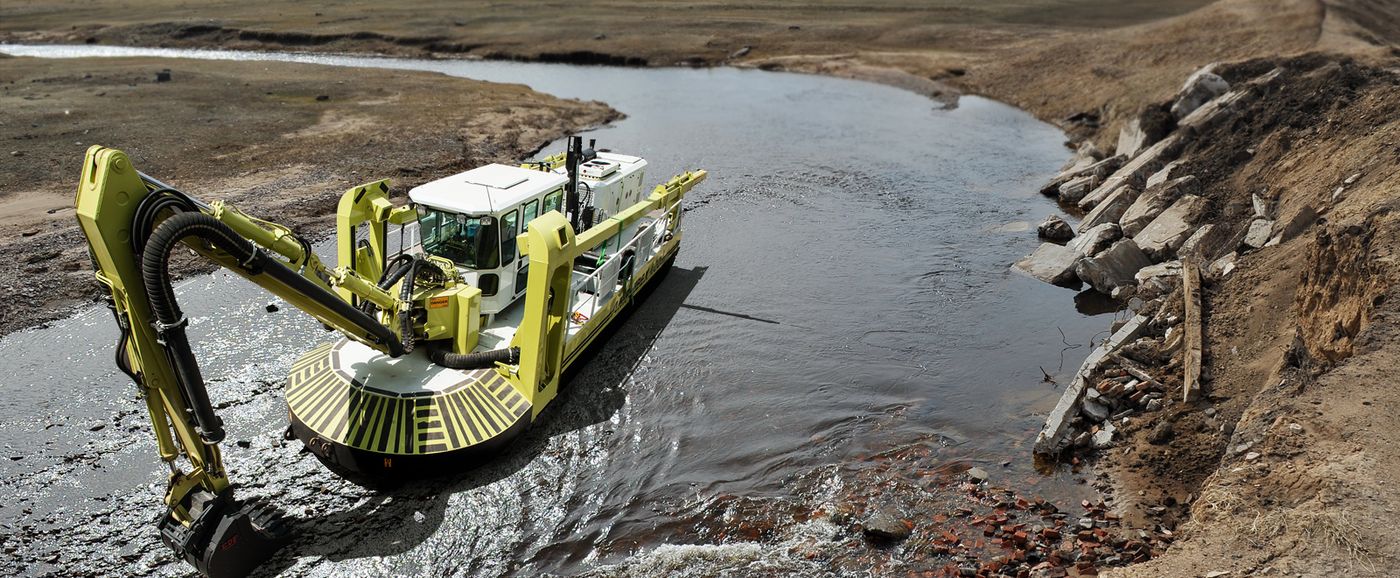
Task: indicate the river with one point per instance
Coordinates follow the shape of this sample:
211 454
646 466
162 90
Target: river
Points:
843 289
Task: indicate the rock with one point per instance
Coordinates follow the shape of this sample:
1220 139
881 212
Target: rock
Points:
1200 88
163 76
1103 438
1351 179
742 52
1055 230
1114 267
1111 209
1050 263
1074 189
1207 243
1161 433
271 308
16 153
97 426
1134 173
977 474
1154 405
1164 235
1164 269
1131 139
245 444
1263 208
419 517
1251 456
1169 172
322 97
1094 410
43 256
1258 234
885 524
1095 240
1154 200
1223 266
1098 170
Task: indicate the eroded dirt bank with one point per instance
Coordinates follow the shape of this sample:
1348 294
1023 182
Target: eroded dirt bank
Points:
279 140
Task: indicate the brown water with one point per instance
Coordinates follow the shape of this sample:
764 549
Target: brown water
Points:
842 289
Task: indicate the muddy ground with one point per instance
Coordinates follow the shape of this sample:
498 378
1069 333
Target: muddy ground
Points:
1287 466
281 141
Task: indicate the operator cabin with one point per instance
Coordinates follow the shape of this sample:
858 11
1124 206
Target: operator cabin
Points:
474 217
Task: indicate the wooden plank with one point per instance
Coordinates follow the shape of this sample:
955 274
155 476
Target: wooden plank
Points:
1191 362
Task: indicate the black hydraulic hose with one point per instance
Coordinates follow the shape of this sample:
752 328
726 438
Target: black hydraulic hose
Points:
396 270
406 296
150 206
170 321
477 360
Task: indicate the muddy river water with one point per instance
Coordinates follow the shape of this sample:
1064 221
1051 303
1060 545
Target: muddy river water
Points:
843 289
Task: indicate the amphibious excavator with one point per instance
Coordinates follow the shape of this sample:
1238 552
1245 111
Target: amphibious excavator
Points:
454 338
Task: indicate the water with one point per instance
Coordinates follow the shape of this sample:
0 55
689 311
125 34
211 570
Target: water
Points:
843 288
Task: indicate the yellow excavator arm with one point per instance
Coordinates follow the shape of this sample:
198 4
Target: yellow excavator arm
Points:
133 223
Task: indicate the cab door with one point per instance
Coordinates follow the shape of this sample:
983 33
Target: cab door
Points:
528 212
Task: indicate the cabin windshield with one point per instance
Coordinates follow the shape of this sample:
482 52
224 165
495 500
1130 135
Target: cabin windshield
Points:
467 240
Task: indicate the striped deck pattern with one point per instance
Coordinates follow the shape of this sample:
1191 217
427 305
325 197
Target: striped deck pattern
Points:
342 410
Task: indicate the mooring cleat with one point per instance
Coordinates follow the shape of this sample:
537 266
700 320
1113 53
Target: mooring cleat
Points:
228 539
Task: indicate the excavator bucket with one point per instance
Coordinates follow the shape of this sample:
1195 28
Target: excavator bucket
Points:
228 539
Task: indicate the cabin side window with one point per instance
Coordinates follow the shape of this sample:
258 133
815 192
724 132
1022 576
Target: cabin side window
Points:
531 210
508 233
553 199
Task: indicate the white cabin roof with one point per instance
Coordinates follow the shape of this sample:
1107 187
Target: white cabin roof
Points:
485 189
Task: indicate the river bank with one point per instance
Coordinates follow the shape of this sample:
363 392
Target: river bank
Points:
279 140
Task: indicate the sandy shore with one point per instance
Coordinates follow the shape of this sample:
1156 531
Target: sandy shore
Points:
279 140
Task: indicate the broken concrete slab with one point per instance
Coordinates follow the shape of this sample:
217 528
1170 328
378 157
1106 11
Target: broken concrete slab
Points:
1223 106
1263 206
1258 234
1154 200
1092 241
1111 209
1222 267
1098 169
1207 243
1055 435
1164 269
1103 438
1055 230
1164 235
1135 172
1115 267
1199 88
1131 139
1171 171
1052 264
1074 189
